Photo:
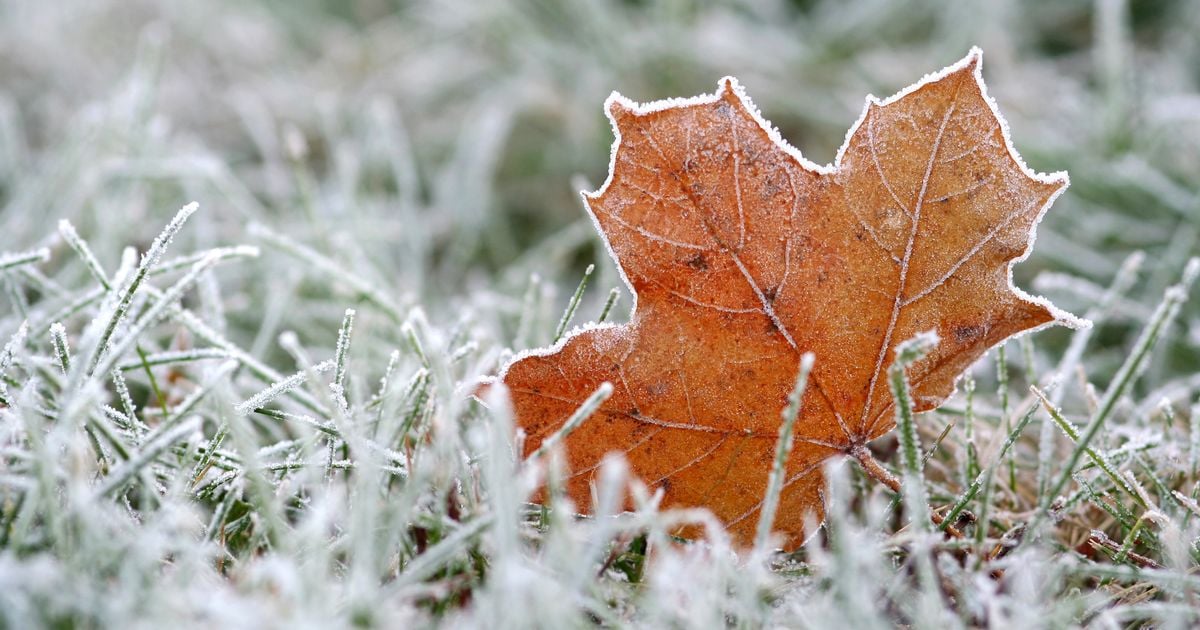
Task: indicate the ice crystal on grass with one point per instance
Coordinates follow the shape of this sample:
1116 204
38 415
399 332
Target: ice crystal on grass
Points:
13 260
138 495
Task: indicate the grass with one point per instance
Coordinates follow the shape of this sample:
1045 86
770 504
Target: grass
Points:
251 412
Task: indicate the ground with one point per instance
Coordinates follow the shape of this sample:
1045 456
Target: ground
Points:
258 417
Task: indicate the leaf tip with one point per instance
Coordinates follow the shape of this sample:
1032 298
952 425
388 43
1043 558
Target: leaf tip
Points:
1058 316
728 87
1073 322
974 59
619 108
1061 178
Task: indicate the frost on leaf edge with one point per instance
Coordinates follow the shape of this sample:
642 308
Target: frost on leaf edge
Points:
619 105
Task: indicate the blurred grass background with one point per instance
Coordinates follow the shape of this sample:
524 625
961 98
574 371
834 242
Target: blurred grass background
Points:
346 121
396 155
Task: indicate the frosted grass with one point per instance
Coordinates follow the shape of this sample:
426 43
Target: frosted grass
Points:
125 296
13 260
203 436
282 387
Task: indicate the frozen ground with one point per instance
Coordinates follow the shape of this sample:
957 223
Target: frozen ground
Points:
175 454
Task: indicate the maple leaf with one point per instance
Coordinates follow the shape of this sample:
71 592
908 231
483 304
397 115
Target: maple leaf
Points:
742 255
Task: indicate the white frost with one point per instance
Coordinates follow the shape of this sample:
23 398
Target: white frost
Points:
617 103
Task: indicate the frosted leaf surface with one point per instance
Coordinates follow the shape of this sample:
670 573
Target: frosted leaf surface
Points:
743 255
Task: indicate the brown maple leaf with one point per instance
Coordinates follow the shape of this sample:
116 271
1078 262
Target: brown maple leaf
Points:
742 255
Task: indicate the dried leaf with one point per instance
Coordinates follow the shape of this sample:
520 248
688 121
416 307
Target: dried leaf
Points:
742 255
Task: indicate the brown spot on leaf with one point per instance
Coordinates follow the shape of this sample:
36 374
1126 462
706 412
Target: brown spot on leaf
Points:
964 334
